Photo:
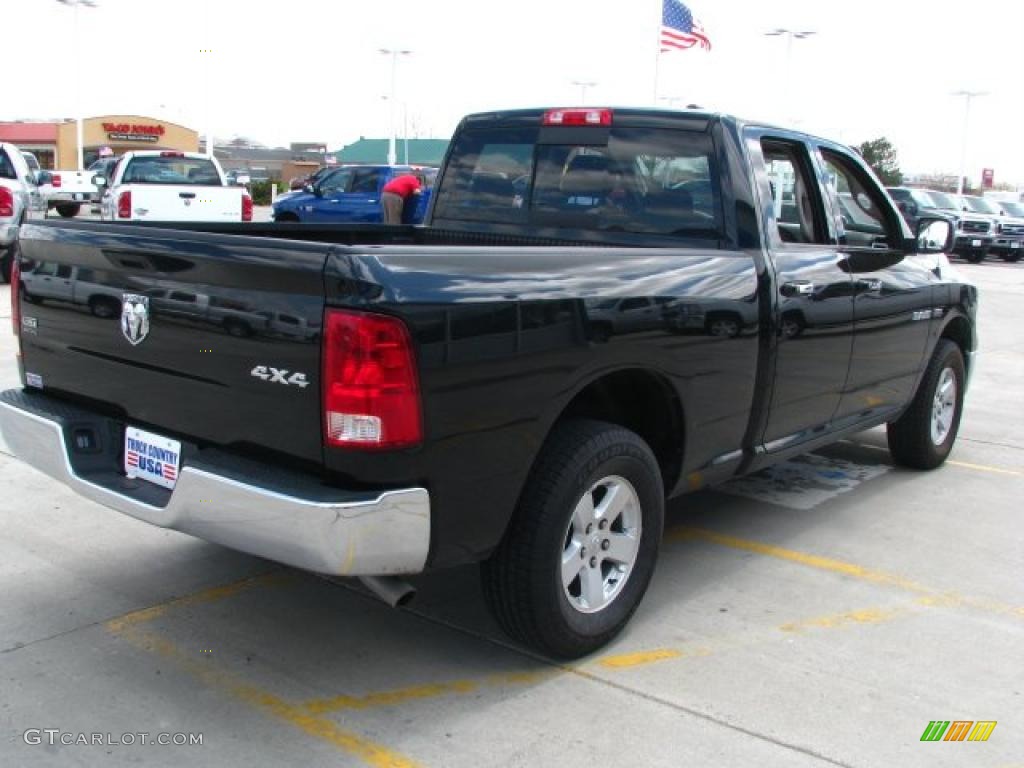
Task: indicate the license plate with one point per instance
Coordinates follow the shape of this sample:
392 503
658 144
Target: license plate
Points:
975 243
151 457
79 196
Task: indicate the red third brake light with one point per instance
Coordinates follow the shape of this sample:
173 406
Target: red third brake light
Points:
577 117
172 154
246 207
56 180
371 393
124 205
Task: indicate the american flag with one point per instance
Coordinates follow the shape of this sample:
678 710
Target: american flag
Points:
131 458
679 30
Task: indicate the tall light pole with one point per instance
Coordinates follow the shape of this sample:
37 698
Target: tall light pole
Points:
790 35
394 54
75 4
583 85
968 95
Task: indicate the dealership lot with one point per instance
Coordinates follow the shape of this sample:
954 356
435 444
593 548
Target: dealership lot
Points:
822 614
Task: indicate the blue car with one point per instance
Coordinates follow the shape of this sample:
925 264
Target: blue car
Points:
351 194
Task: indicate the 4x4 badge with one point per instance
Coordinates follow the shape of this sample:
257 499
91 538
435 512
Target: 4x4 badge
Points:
135 317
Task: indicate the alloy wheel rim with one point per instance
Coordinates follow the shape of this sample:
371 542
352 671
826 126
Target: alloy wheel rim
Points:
602 541
943 406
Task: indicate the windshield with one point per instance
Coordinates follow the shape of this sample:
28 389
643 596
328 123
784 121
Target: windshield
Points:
171 169
641 180
981 205
923 199
944 201
1013 209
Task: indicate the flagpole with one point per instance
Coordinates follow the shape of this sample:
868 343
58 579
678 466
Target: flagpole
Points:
657 52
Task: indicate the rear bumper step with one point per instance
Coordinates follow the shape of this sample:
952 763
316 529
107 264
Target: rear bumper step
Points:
248 506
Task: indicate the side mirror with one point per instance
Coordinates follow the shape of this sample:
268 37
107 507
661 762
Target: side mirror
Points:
311 189
99 181
31 179
934 236
44 177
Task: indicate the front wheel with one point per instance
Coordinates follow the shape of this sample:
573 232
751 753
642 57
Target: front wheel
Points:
924 435
581 547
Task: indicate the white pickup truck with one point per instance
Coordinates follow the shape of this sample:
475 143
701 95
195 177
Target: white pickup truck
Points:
171 186
66 191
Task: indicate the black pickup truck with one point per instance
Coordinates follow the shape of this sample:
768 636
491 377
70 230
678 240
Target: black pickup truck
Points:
606 308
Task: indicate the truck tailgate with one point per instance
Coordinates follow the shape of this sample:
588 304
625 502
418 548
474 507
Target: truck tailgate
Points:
155 202
177 332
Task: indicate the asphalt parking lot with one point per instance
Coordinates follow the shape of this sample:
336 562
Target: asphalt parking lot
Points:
823 614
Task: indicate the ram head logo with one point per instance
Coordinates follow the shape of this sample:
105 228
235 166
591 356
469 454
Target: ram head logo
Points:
135 317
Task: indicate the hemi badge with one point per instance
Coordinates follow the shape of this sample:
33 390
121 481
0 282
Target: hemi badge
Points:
923 314
29 323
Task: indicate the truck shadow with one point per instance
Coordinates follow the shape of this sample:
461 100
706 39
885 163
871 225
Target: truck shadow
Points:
337 649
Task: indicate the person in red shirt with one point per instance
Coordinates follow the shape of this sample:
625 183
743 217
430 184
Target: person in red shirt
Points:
395 193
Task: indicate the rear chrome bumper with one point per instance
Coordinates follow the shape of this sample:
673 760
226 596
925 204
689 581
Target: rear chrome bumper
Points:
352 534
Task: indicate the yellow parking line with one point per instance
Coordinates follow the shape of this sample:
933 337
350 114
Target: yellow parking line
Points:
625 660
865 616
390 698
985 468
369 752
929 596
813 561
210 595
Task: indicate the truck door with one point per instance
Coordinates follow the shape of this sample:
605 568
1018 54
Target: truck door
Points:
331 205
814 297
893 291
364 197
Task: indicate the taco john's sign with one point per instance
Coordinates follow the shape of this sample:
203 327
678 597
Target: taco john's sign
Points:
133 132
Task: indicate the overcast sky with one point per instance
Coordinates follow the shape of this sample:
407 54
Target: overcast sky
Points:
309 70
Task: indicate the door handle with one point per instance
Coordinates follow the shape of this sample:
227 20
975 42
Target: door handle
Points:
873 287
798 288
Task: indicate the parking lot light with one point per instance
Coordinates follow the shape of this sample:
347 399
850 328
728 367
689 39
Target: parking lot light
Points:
394 53
76 4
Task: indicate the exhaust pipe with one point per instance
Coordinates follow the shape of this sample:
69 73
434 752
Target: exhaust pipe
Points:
392 590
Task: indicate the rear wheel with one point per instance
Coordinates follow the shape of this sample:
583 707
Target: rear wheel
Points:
1013 258
582 544
975 257
924 435
68 211
6 260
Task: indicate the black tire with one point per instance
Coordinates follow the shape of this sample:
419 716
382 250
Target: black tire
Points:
68 211
1012 258
287 218
911 440
975 257
104 307
6 261
522 580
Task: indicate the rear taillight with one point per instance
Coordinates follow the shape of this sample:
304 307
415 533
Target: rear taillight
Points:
15 291
371 393
6 202
56 180
246 208
124 205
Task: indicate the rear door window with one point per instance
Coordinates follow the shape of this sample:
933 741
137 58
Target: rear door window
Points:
647 181
171 169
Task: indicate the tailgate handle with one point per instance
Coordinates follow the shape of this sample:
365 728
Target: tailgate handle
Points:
188 195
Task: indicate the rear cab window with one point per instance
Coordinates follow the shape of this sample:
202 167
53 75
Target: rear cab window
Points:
629 179
171 169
